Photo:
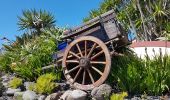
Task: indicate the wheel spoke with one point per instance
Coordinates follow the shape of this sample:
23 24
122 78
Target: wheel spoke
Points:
78 47
94 45
77 74
72 61
84 76
85 48
97 70
74 54
98 54
91 77
98 62
71 70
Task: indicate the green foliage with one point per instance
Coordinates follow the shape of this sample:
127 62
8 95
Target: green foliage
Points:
119 96
15 83
138 76
45 84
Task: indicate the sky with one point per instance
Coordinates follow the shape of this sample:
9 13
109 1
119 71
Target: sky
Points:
67 13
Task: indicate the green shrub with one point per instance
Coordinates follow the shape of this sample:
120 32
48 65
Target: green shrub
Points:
45 84
35 55
138 76
119 96
15 83
156 74
127 71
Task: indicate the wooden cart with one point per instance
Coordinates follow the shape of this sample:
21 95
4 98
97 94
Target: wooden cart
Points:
86 60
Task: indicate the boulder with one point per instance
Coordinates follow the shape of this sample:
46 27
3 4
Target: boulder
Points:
29 95
11 92
99 93
41 97
5 84
65 95
77 95
4 77
54 96
18 95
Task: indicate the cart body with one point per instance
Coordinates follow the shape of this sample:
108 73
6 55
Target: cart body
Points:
86 60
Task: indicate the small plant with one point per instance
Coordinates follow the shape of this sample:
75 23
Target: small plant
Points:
45 84
119 96
15 83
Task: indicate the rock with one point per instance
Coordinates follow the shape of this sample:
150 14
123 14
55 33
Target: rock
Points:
1 98
29 95
4 77
7 77
99 93
5 84
27 84
5 80
18 95
42 97
77 95
54 96
65 95
10 91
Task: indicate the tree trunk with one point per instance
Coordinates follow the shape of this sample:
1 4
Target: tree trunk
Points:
142 18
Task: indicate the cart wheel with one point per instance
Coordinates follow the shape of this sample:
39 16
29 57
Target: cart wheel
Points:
86 62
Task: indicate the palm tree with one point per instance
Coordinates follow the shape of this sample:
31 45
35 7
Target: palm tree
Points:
35 20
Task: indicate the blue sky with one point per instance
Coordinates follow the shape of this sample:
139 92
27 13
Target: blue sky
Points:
67 13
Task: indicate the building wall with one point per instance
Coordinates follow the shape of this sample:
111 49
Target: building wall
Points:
152 48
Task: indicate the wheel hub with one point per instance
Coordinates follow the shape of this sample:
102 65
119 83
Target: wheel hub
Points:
84 62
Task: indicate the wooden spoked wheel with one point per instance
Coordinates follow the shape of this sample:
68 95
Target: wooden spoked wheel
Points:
86 62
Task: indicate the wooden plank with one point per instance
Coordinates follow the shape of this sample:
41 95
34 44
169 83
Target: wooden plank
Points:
72 34
102 18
